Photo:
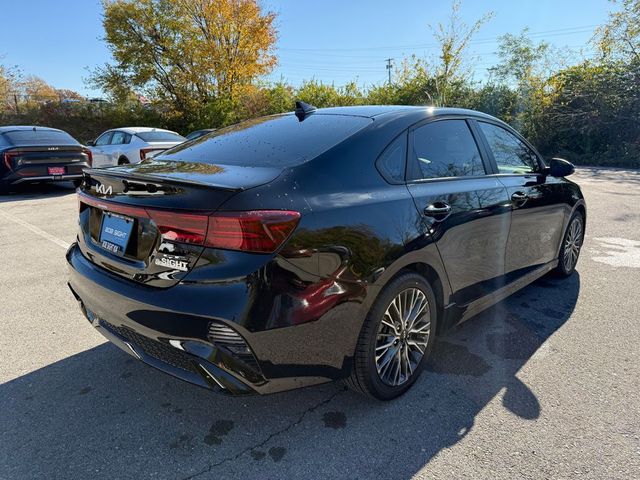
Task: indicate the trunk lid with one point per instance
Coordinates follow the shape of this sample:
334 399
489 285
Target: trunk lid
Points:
38 155
132 201
156 148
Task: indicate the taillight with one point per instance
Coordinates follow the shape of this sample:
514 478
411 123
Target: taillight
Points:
144 152
7 157
180 227
261 231
89 155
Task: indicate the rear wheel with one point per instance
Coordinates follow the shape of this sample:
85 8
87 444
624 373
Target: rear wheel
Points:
396 339
571 245
123 161
4 187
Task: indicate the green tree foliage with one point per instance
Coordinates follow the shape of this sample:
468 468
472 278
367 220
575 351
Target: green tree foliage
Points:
453 40
324 95
619 38
593 114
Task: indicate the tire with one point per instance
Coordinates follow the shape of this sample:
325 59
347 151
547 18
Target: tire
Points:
77 183
376 379
123 161
4 188
571 245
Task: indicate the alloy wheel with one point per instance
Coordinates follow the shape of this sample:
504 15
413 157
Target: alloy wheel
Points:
402 337
572 244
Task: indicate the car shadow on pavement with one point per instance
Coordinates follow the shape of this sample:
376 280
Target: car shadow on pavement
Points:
100 414
38 190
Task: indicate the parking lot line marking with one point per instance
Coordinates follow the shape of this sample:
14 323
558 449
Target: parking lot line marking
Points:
35 230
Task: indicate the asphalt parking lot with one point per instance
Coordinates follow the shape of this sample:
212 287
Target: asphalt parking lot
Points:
544 385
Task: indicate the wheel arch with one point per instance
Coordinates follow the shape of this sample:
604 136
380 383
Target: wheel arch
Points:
430 275
427 264
581 207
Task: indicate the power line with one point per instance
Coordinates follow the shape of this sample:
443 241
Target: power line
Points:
548 33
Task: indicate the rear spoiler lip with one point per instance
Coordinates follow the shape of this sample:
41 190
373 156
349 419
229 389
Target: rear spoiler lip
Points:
44 148
157 179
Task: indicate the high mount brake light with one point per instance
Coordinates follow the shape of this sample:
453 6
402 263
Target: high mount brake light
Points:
257 231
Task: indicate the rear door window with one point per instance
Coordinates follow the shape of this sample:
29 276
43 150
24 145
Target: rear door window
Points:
104 139
445 148
120 138
512 155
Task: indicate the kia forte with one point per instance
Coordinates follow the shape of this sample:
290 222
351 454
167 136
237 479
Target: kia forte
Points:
319 245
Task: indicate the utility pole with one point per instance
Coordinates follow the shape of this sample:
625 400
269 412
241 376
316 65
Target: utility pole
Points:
389 66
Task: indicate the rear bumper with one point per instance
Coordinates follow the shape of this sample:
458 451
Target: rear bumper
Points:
39 173
46 178
171 329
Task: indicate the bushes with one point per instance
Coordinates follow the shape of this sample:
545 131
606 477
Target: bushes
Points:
84 121
588 113
592 114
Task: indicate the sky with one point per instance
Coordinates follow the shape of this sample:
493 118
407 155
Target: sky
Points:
334 41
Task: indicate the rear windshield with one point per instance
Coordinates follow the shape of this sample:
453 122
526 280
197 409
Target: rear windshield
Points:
160 137
39 137
279 141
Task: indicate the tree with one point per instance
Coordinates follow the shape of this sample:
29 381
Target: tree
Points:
592 114
35 90
453 40
521 60
619 38
185 52
67 94
9 79
525 67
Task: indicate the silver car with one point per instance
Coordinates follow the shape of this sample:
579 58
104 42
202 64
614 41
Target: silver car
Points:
120 146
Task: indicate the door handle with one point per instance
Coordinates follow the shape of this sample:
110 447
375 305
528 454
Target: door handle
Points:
519 197
438 210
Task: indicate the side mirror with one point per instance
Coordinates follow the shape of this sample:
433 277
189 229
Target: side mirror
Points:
91 143
559 167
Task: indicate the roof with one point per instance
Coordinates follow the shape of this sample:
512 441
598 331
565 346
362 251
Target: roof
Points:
13 128
372 111
134 130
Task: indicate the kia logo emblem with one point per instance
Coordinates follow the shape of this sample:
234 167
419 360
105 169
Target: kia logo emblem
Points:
104 189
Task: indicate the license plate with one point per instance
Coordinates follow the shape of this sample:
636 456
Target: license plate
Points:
115 232
56 170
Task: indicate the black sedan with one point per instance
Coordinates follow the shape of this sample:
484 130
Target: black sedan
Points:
319 245
39 154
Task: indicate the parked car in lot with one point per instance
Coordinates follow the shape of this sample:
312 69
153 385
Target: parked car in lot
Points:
328 244
199 133
131 145
39 154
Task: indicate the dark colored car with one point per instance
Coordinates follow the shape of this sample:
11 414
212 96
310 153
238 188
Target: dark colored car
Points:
39 154
199 133
293 250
